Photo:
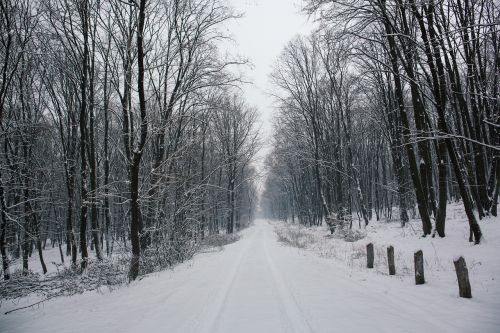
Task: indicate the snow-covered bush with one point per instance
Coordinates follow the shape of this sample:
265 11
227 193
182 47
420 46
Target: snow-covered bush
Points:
295 236
67 281
219 240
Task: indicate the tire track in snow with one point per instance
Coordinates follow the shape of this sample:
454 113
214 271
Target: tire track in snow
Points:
210 319
195 321
294 313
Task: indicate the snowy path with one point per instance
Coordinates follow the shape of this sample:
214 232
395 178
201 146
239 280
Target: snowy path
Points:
259 285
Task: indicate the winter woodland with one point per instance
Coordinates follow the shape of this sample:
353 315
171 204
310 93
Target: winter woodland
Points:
128 145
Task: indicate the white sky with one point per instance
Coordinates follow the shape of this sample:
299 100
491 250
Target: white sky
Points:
267 26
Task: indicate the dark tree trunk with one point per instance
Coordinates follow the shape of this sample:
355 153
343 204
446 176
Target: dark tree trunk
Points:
421 198
3 231
439 91
84 15
107 212
92 156
39 242
135 223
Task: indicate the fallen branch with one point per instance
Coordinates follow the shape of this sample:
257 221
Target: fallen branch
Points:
29 306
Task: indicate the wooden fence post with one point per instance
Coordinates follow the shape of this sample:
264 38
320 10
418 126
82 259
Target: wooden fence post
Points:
369 255
390 260
419 267
463 278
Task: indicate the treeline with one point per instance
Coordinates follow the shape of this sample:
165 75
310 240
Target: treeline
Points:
122 129
389 103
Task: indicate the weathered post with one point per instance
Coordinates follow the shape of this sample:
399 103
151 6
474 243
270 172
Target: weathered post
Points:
369 255
419 267
390 260
463 278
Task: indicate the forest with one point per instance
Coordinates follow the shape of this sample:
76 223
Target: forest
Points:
249 166
123 130
388 104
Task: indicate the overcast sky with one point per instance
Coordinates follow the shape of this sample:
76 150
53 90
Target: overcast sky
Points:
266 27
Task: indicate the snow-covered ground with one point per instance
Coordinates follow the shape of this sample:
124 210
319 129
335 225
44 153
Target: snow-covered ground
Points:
259 284
482 260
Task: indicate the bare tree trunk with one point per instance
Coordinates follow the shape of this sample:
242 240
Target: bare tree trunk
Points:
107 212
421 198
3 231
84 15
135 223
39 242
92 153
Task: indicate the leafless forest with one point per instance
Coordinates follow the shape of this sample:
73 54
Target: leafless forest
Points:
126 140
389 104
122 131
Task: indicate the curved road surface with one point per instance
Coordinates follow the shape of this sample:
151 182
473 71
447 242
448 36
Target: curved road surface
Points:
254 285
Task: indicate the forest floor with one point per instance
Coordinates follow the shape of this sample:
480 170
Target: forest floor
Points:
260 284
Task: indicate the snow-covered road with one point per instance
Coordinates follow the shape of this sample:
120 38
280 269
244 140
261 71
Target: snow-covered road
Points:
259 285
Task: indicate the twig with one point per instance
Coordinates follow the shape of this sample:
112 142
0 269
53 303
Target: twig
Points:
28 306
